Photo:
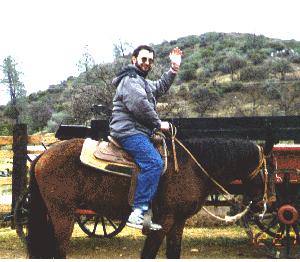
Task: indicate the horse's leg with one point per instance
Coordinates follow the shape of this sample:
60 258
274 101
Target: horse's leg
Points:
174 238
152 244
154 239
63 227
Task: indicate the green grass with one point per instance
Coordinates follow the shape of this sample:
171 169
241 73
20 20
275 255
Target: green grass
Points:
10 245
224 242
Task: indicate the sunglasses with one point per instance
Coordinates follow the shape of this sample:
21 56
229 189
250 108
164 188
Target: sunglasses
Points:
145 59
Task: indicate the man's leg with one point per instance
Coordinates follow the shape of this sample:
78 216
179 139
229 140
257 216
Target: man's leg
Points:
151 166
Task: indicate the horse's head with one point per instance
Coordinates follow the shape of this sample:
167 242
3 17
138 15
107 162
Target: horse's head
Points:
259 188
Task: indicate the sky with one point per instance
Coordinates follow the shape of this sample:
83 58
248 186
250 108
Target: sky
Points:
48 37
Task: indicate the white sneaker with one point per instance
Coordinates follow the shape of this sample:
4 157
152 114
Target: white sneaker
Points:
136 220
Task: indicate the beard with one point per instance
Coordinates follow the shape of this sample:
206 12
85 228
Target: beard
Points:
143 67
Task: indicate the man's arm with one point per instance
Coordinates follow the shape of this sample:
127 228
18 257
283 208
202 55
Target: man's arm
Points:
164 83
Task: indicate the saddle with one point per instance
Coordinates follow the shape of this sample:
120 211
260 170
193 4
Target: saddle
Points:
110 157
106 157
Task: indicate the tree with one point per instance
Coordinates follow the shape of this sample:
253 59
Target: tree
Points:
289 100
204 99
97 91
281 66
56 120
253 41
121 49
86 62
252 73
232 63
15 87
93 87
40 113
257 57
255 93
188 72
285 96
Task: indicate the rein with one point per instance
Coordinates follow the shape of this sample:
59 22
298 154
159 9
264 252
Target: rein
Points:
174 139
262 161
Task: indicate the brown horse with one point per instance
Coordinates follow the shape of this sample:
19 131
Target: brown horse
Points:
60 183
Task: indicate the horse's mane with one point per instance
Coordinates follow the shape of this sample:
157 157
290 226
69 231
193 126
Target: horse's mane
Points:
222 154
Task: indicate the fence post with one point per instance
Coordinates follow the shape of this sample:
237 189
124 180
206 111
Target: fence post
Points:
19 170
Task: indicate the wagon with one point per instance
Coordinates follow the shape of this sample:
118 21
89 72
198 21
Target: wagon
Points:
280 223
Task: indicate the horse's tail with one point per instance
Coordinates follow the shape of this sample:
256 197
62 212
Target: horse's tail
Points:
40 240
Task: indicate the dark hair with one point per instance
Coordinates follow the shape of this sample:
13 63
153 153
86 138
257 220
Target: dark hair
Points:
143 47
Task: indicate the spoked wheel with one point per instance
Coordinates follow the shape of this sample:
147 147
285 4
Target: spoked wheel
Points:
92 224
95 225
282 222
21 215
280 240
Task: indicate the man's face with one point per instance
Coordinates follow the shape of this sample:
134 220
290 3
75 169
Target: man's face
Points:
144 60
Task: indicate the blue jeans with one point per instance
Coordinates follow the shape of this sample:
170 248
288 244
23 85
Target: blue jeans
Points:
151 166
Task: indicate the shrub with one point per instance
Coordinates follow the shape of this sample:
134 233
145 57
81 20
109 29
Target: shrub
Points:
204 99
232 87
6 130
295 59
183 92
253 73
257 57
272 89
188 72
54 122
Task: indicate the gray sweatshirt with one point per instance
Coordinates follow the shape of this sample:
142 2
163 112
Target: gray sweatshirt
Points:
134 104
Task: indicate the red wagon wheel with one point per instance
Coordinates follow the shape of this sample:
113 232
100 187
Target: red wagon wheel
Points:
98 226
282 222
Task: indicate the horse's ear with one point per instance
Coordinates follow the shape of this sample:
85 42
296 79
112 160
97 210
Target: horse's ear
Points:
268 146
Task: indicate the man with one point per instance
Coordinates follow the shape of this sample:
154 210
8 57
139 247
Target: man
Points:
134 118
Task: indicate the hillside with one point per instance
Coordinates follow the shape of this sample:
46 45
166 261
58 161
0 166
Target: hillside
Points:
221 75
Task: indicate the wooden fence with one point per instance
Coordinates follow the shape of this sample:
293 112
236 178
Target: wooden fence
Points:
15 156
33 141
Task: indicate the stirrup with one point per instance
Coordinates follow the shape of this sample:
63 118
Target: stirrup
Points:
148 225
